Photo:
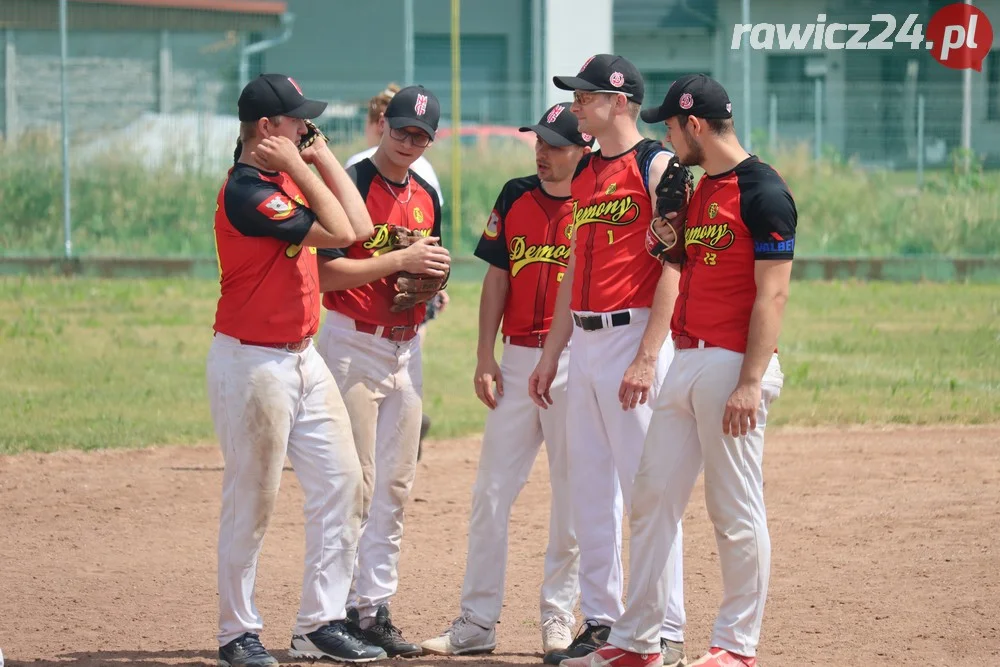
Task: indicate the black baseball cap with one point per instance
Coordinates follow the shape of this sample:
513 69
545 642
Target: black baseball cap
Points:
559 127
692 95
414 106
276 95
606 73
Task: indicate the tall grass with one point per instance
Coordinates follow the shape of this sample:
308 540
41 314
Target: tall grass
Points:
121 207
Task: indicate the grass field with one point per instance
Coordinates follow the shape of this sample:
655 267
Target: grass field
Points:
100 363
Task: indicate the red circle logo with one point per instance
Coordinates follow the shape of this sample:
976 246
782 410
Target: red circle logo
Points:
959 36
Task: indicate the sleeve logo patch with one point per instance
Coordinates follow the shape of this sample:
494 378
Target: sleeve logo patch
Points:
774 247
277 207
492 226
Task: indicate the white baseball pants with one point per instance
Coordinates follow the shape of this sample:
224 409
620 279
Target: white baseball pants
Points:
684 436
511 441
605 445
266 403
381 383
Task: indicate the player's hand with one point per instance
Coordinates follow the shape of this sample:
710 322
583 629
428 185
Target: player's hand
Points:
426 258
637 382
488 372
540 382
277 153
740 416
664 229
316 152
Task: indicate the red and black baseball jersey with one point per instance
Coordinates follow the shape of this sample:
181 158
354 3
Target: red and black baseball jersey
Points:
735 218
413 205
270 283
528 235
611 212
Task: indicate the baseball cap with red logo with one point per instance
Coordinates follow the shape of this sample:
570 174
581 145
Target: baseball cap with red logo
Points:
559 127
692 95
606 73
414 106
276 95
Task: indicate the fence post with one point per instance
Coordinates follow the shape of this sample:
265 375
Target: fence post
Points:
63 49
10 128
818 103
920 141
772 123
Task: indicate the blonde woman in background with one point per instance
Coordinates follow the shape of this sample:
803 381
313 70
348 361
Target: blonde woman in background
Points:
423 168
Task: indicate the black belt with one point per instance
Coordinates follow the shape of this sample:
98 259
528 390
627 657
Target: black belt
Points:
595 322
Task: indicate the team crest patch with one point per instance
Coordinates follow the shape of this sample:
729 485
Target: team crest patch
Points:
617 79
586 137
611 189
421 106
276 207
686 101
492 225
418 215
556 110
713 210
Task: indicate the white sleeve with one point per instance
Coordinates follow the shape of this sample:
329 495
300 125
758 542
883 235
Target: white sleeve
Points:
423 167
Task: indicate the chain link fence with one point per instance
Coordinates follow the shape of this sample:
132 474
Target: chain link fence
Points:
152 126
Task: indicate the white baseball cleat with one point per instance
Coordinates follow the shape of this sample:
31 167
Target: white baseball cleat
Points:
556 635
463 638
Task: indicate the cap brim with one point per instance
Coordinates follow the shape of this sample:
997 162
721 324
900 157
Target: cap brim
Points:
400 122
573 83
654 115
309 110
548 135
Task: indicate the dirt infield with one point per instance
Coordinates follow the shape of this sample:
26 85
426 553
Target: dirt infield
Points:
884 554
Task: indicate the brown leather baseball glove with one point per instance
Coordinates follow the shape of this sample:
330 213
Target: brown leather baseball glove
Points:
673 193
413 288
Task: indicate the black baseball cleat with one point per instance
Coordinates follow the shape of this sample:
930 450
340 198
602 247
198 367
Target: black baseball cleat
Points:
245 651
387 636
592 636
334 642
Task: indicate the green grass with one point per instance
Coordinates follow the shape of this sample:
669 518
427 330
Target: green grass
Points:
122 209
115 363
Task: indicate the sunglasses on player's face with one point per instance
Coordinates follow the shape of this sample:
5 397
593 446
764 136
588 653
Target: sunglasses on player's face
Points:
585 97
417 138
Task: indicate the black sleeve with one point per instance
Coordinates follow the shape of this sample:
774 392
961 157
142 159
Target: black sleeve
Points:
582 164
256 207
648 150
771 217
361 174
492 246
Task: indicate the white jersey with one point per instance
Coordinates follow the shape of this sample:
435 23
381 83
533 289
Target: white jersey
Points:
422 166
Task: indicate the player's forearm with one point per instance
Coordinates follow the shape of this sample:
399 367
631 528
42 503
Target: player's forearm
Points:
762 339
346 273
658 326
330 215
340 184
491 306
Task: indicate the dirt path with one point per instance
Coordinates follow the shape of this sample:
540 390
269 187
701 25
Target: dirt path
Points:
884 554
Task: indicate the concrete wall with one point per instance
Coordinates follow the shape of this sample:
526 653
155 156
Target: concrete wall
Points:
574 31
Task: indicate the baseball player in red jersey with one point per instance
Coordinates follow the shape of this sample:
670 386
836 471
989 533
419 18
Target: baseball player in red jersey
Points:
739 240
270 392
615 302
527 243
374 353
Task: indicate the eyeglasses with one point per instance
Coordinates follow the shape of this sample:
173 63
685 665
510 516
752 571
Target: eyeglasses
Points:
583 97
418 139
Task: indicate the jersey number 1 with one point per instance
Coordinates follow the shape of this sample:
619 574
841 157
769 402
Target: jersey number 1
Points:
611 236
